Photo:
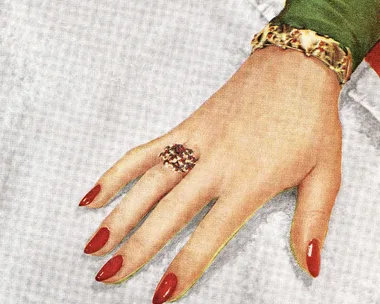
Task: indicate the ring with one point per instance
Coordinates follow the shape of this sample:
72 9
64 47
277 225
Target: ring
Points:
178 157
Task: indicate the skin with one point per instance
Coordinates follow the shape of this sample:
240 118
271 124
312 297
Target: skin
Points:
273 125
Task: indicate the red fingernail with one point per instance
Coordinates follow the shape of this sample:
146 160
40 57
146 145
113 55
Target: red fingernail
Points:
110 268
313 257
165 289
98 241
90 196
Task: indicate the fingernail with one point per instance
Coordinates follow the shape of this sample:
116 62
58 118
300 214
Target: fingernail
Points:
313 257
98 241
165 289
90 196
110 268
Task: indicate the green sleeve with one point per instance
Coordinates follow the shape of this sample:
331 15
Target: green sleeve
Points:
353 23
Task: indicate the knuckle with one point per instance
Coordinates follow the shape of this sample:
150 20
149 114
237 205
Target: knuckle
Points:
318 214
335 182
136 150
138 244
155 173
338 183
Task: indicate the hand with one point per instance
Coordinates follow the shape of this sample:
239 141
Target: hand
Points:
272 126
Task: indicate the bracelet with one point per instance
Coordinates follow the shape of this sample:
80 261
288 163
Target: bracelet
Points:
309 42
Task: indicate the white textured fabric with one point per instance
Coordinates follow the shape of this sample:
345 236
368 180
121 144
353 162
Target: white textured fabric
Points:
82 82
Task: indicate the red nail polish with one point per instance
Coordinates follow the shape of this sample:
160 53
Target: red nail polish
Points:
110 268
90 196
165 289
313 257
98 241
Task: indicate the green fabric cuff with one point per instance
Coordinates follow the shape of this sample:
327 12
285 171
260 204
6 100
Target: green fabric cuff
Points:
353 23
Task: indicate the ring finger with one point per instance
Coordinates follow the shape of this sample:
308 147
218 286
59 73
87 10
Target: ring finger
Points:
152 186
173 212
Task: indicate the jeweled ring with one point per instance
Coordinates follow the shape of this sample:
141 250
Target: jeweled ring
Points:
178 157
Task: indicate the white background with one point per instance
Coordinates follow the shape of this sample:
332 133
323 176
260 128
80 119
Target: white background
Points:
82 82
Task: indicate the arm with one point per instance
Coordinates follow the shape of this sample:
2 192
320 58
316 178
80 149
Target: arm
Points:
353 23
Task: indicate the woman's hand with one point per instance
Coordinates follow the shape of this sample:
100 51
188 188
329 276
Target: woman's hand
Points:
272 126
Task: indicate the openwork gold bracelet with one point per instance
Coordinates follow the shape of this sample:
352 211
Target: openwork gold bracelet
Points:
309 42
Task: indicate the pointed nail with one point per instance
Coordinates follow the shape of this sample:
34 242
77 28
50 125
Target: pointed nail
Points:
98 241
313 257
90 196
165 289
110 268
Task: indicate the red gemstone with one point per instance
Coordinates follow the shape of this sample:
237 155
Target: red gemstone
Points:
180 149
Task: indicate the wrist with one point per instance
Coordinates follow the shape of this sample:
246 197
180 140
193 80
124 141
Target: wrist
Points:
293 65
284 79
326 49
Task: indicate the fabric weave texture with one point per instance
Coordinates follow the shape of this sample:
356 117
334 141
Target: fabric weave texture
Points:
82 82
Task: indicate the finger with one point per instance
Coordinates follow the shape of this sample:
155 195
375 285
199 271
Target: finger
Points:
316 198
171 214
153 185
223 221
133 164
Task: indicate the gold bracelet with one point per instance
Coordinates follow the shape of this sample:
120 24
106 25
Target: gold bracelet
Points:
309 42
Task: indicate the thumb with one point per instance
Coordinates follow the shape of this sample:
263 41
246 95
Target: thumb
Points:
316 198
